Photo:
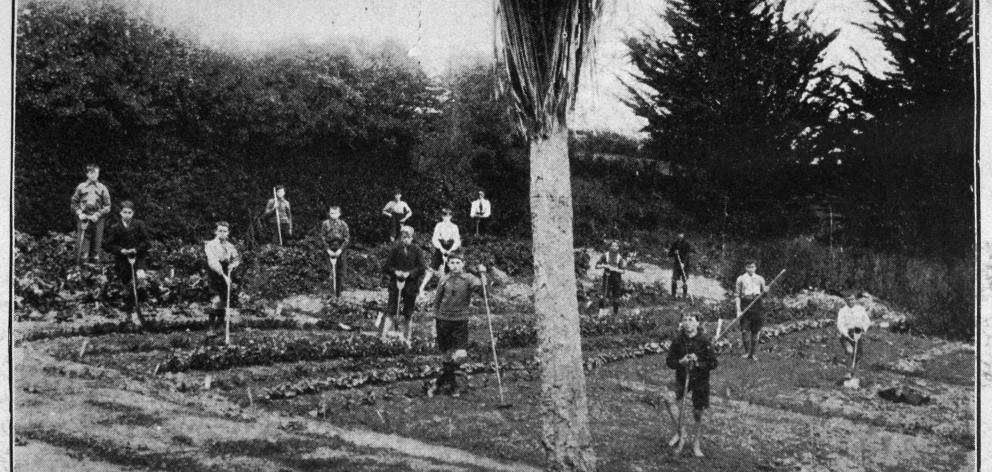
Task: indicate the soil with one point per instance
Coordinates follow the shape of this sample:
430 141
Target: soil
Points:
108 410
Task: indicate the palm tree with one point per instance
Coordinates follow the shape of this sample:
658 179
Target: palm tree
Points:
544 44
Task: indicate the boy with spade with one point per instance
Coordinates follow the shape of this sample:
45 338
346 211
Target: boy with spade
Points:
446 239
127 241
692 357
222 260
280 216
452 306
404 267
335 235
852 323
679 253
748 292
613 264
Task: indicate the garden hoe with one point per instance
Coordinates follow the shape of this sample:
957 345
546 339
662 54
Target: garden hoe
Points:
275 196
492 338
386 327
853 382
227 312
134 290
685 281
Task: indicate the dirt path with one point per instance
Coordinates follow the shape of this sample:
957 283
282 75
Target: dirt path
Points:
131 422
650 274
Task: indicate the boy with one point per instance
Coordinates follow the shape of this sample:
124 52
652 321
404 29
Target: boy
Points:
852 323
679 253
749 289
445 240
222 259
691 354
280 216
452 307
398 212
481 211
336 236
405 263
91 203
613 265
128 239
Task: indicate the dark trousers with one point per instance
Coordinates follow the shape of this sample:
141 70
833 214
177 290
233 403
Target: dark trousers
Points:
287 234
612 289
480 225
218 287
451 336
680 274
394 227
122 269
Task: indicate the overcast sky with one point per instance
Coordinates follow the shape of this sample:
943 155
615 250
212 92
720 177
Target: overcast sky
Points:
442 32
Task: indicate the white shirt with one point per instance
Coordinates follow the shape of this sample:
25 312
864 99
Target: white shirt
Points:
219 252
750 286
481 208
397 208
447 231
852 317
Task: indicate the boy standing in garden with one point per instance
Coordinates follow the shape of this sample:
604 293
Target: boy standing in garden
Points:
91 204
336 236
452 307
613 265
481 211
679 252
404 266
398 212
852 324
126 241
748 291
280 216
691 355
446 239
222 259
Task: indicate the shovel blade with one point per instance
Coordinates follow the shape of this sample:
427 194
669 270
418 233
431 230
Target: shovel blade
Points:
852 383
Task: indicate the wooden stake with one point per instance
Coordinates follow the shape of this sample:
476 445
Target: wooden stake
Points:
82 350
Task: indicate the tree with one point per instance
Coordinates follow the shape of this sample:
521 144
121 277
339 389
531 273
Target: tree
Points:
736 97
913 162
544 44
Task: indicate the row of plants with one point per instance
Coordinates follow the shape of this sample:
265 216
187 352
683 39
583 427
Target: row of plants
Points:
590 326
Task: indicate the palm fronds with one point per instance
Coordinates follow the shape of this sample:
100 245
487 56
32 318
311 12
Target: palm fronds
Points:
544 43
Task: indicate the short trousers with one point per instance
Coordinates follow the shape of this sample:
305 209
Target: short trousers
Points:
451 335
699 391
753 319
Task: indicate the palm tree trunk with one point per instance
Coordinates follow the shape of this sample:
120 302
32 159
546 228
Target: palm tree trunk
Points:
563 387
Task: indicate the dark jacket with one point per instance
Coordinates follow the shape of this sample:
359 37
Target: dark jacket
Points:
135 236
409 259
453 298
683 247
706 358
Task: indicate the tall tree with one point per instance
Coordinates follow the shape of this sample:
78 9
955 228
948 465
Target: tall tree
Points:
913 164
735 95
544 44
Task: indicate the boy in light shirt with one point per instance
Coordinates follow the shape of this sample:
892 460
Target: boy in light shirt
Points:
852 323
446 240
749 290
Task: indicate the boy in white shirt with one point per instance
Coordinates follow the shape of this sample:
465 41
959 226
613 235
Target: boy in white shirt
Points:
446 239
852 322
398 212
481 211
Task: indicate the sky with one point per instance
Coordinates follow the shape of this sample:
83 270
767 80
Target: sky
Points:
441 33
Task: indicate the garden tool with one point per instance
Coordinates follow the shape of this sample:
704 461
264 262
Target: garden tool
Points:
492 338
131 259
275 196
735 320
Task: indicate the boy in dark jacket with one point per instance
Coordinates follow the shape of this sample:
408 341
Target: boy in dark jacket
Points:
679 253
336 236
125 240
405 264
453 306
613 264
692 355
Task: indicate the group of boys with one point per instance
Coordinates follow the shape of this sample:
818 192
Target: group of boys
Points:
691 353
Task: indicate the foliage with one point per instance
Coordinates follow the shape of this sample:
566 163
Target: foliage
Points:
737 100
939 293
911 161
